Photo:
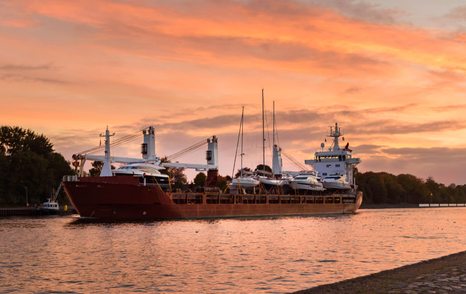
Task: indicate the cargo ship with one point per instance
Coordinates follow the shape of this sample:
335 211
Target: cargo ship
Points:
140 190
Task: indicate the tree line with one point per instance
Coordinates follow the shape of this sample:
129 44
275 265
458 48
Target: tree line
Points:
386 188
29 167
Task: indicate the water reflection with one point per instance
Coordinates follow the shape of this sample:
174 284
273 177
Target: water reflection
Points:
233 255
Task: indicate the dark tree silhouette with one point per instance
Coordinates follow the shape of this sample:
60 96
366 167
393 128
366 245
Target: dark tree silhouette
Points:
29 165
199 179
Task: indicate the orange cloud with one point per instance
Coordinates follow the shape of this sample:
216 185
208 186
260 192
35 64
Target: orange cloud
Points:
82 65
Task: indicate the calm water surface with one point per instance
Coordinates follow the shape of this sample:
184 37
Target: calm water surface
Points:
232 256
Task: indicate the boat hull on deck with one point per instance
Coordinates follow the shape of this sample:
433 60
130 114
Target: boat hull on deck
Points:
124 198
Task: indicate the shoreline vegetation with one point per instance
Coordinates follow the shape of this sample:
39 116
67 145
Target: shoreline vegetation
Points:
381 188
30 170
441 275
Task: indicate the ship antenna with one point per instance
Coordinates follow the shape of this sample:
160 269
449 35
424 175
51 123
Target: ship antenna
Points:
242 139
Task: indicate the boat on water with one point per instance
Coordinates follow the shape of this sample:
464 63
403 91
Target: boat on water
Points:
50 207
139 190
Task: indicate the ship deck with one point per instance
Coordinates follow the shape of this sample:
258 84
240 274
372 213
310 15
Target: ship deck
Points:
219 198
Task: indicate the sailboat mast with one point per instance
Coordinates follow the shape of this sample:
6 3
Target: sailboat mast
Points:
273 125
263 132
242 134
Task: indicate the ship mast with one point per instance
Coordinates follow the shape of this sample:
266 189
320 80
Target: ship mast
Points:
242 136
273 123
239 140
276 153
335 134
263 132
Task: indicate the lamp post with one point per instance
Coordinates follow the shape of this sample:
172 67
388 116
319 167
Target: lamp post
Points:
27 196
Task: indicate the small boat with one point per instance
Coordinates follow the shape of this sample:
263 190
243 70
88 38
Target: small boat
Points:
50 207
336 182
307 181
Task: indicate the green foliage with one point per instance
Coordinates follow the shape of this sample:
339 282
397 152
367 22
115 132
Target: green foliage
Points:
222 182
199 179
29 166
261 167
383 187
177 177
97 168
245 170
15 139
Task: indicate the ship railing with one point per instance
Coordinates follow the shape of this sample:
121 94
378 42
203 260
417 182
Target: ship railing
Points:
218 198
70 178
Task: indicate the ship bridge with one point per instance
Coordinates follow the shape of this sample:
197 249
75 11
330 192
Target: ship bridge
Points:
335 160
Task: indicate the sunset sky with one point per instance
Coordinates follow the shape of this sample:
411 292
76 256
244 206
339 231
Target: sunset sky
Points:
392 73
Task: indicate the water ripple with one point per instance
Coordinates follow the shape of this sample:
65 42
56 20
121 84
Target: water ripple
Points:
272 255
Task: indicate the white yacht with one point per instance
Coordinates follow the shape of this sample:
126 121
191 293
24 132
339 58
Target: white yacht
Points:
337 182
244 182
335 165
307 181
273 182
147 172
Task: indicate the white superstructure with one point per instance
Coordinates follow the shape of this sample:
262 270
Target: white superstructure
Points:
149 156
335 165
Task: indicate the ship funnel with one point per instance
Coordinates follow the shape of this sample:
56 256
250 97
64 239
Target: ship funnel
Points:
212 152
148 146
277 160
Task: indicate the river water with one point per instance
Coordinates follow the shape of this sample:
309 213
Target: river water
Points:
58 254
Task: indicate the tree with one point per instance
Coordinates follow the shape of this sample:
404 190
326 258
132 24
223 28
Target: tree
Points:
245 170
199 179
97 168
177 177
222 182
261 167
16 139
29 165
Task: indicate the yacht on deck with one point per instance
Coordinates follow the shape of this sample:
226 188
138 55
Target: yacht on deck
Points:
337 182
307 181
146 172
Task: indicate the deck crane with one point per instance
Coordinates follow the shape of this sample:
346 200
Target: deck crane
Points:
148 154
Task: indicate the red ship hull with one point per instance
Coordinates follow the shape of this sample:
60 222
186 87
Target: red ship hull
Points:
124 198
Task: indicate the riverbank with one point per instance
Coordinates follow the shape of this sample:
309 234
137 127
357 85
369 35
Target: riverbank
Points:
388 205
409 205
442 275
31 211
